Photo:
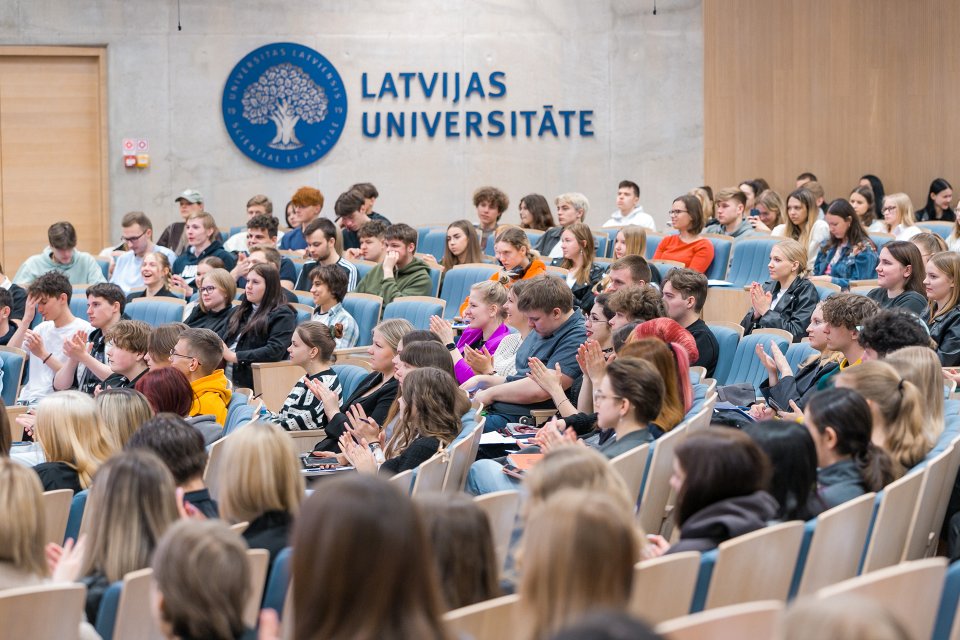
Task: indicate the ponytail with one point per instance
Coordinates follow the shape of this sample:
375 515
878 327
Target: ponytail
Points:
906 437
877 469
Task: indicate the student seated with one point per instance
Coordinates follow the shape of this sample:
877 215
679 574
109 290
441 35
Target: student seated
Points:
126 354
173 237
216 297
329 288
731 203
687 246
262 236
203 240
864 203
635 304
61 255
258 205
137 237
571 208
202 579
462 247
769 212
684 294
891 329
849 464
169 391
370 238
516 257
484 331
788 300
48 295
7 326
577 256
321 237
490 203
849 253
803 222
898 218
629 210
900 276
162 340
401 273
535 213
929 244
943 313
182 450
630 270
793 461
921 366
307 205
155 275
197 354
122 412
940 195
87 365
17 293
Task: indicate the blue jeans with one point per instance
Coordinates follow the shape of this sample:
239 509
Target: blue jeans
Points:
487 476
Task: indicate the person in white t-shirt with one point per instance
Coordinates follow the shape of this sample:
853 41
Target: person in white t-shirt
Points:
258 205
629 210
138 237
49 295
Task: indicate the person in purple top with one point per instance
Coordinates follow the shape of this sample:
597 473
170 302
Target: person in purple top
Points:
485 330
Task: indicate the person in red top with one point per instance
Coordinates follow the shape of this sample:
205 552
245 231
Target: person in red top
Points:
687 246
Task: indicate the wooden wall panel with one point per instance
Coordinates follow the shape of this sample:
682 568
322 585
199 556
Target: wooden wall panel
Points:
837 87
51 150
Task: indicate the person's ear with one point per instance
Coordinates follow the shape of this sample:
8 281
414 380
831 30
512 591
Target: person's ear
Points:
691 302
830 437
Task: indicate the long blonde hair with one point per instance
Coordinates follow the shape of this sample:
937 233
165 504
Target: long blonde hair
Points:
635 237
584 237
809 203
949 263
904 207
22 518
123 412
576 468
70 430
921 366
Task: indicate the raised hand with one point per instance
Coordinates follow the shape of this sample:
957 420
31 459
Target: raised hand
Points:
548 379
442 328
480 361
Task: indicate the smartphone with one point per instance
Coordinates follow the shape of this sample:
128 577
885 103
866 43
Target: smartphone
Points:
311 462
754 213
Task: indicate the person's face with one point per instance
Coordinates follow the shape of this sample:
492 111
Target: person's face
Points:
100 311
838 226
567 214
197 234
864 183
62 256
291 215
122 361
509 256
381 355
456 241
515 318
371 248
679 216
203 269
796 212
766 216
890 214
488 214
481 314
318 247
924 254
608 405
890 273
618 320
729 211
678 477
747 190
627 200
779 267
819 439
51 308
939 286
256 210
544 322
137 239
260 236
256 287
155 362
838 338
257 257
619 278
352 221
181 359
943 199
526 218
816 330
214 298
859 204
321 293
306 214
150 270
300 353
187 209
675 304
569 246
620 245
597 327
404 251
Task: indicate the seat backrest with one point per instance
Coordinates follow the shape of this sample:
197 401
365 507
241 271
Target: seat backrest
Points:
156 311
365 309
727 340
430 474
656 488
632 465
404 480
13 362
349 376
75 519
892 522
755 566
212 470
416 309
722 246
436 275
837 544
881 239
942 229
798 352
923 530
259 561
278 582
653 241
272 381
827 289
434 242
650 601
125 611
501 508
78 304
948 622
304 297
56 511
910 591
748 620
953 468
600 244
533 236
457 282
363 268
488 620
46 611
460 460
746 366
751 256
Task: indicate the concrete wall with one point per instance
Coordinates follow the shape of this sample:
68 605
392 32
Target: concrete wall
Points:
641 74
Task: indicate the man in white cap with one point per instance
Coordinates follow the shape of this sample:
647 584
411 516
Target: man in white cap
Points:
190 201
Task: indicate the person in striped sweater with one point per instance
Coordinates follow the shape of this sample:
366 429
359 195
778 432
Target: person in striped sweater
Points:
311 347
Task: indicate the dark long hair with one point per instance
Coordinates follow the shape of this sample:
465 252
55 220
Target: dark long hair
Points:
241 320
539 210
908 255
857 236
793 456
876 185
848 414
929 209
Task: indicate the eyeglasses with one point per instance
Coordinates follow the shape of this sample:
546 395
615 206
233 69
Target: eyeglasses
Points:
890 208
599 395
208 289
174 354
134 238
676 212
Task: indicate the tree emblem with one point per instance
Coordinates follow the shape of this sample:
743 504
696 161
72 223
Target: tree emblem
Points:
285 95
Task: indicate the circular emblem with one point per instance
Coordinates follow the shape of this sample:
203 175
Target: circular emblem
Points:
284 105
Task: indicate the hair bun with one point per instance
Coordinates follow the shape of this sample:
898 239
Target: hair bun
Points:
336 330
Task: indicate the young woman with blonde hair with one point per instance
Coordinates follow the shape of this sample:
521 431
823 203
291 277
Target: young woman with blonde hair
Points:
74 440
802 222
202 241
770 212
123 411
485 328
898 408
214 304
898 218
921 366
260 483
929 244
631 240
943 314
156 273
788 300
579 252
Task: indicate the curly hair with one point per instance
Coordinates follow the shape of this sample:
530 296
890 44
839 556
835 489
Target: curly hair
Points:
638 303
848 310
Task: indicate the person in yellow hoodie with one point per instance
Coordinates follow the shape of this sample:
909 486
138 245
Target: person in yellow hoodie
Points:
197 355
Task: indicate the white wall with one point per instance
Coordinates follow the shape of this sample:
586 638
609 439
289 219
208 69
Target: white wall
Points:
641 74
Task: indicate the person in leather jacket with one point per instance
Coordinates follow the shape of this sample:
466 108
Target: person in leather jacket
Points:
788 300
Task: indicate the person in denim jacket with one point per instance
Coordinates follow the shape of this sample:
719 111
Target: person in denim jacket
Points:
849 253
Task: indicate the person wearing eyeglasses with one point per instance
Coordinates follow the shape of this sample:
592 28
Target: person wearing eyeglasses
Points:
197 354
686 216
216 295
137 237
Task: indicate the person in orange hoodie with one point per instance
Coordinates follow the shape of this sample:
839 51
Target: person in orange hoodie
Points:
515 255
197 356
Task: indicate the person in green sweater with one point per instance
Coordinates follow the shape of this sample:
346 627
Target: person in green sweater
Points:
401 273
61 255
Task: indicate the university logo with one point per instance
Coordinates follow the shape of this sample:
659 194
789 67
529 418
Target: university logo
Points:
284 105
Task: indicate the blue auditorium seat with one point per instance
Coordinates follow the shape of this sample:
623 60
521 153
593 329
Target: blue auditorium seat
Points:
365 309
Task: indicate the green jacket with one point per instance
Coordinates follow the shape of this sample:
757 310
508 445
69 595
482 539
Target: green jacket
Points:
411 280
82 269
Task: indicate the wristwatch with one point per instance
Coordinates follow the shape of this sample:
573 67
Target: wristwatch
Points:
451 346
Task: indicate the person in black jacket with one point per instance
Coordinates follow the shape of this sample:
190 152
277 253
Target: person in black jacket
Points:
216 297
579 251
900 276
571 208
788 300
260 327
943 315
684 294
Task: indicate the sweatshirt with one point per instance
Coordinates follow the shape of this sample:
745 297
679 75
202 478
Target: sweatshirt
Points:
411 280
83 268
212 396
